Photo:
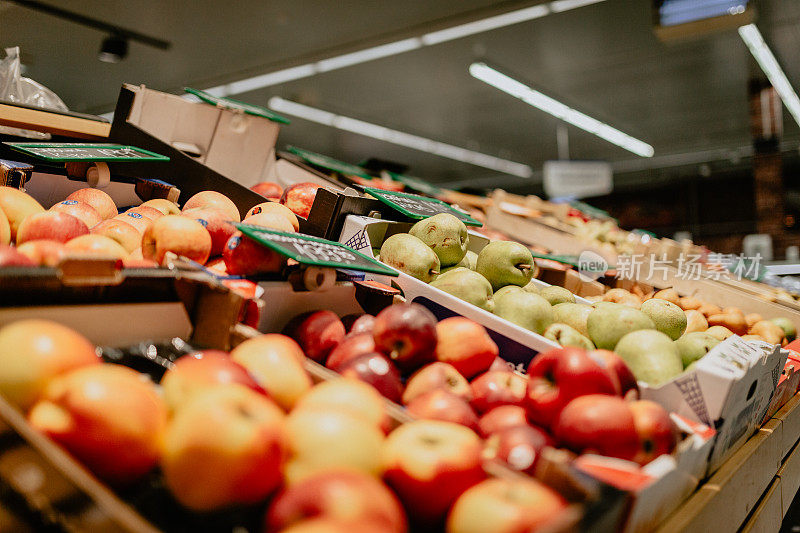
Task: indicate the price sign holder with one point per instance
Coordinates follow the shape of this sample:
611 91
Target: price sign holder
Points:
314 251
418 207
230 103
85 152
329 163
416 184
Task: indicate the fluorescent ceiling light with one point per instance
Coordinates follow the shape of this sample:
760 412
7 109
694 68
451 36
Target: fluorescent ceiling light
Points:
397 47
541 101
398 137
766 60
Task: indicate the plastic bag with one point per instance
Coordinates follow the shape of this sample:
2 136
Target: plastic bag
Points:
20 90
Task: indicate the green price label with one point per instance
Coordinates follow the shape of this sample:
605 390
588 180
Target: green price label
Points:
419 207
314 251
230 103
319 160
416 184
63 152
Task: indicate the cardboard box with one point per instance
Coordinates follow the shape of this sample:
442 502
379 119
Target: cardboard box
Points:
657 489
517 345
729 389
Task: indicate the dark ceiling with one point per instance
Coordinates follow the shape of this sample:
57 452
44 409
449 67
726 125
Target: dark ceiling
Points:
603 59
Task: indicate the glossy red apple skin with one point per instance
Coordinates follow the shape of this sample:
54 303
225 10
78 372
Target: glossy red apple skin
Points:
442 405
51 225
500 418
213 199
9 256
355 324
317 333
99 200
428 464
217 223
80 210
268 189
518 446
466 345
43 252
437 376
610 360
377 370
598 423
558 376
337 494
501 364
406 333
349 348
498 387
300 197
657 434
245 257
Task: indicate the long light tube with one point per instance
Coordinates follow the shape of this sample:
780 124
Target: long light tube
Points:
408 140
766 60
541 101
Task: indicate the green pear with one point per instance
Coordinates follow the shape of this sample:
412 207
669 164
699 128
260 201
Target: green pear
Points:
607 324
505 263
470 260
467 285
524 309
557 295
409 254
651 355
789 331
668 317
446 235
530 287
574 315
566 335
695 345
508 288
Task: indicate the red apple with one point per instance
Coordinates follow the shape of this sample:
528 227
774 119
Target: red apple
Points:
407 334
275 209
598 423
137 220
519 447
505 506
500 418
245 257
224 447
162 204
33 351
9 256
147 211
439 404
613 362
122 232
435 376
501 364
498 387
429 464
557 376
300 197
349 348
268 189
196 371
217 223
375 369
657 434
50 225
79 210
465 345
101 201
179 235
317 332
109 417
43 252
95 246
355 324
342 495
17 206
213 199
273 221
276 363
350 396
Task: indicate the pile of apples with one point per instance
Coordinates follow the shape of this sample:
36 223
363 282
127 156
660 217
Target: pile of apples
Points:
251 427
450 371
88 223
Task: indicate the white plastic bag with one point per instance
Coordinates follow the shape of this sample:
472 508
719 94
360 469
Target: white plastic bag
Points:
17 89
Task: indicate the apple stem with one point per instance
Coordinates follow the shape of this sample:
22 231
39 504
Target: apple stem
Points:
524 266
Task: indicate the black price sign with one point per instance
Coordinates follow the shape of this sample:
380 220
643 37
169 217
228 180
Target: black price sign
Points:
314 251
419 207
63 152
